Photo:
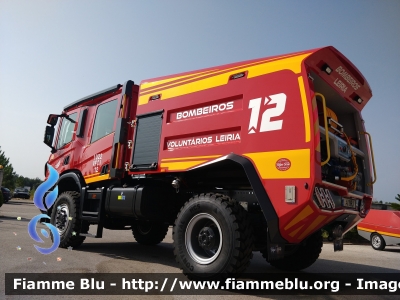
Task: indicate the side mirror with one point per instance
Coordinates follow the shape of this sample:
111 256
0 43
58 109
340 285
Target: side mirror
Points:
52 120
48 137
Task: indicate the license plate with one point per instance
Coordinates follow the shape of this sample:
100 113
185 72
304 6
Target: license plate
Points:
350 203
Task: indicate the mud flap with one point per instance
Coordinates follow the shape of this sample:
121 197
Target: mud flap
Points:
338 245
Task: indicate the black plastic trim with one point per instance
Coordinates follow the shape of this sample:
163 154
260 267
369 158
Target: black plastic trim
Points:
121 130
127 90
66 160
74 176
93 96
156 112
82 123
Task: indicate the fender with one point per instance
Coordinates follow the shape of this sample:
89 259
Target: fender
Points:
65 183
262 197
70 176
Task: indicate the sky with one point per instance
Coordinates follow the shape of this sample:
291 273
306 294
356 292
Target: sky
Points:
55 52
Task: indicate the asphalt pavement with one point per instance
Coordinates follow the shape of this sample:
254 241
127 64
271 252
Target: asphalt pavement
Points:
117 252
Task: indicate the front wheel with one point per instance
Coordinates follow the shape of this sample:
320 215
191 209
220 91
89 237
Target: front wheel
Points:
64 217
377 241
212 237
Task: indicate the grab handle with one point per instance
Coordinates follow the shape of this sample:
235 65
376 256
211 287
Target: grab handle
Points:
372 156
328 149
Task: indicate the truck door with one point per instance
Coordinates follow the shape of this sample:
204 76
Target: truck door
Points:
96 155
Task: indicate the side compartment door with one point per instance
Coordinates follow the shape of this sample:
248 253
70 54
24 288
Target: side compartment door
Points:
147 141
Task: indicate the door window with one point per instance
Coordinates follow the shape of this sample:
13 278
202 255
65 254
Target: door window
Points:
67 130
104 122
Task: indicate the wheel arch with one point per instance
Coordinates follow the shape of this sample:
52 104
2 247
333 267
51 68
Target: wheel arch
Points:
249 171
69 181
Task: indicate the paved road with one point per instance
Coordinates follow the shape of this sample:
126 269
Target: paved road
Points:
117 252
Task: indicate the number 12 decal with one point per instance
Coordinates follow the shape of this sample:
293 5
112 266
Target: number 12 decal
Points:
270 112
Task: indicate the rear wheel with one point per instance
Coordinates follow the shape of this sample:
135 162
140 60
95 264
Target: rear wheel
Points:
377 241
149 233
303 257
212 237
64 217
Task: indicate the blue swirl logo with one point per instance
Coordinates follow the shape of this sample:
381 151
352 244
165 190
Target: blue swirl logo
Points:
48 201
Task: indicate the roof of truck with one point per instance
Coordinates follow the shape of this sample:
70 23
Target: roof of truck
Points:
187 82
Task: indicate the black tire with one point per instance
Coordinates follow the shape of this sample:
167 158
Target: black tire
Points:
66 206
304 256
198 246
377 241
149 233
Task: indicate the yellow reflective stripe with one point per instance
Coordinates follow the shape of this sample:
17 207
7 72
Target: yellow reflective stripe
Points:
265 163
305 108
378 231
173 166
314 224
154 84
293 233
149 86
188 88
290 63
91 178
302 215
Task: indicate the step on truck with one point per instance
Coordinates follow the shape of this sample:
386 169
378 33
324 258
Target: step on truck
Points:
259 155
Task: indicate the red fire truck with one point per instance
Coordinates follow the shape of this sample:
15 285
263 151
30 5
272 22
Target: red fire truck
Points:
251 156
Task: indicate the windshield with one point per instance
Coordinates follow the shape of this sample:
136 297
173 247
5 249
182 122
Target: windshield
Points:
66 131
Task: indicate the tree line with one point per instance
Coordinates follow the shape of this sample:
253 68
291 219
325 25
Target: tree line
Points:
11 179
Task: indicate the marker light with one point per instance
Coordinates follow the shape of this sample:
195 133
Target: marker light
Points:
358 99
327 69
155 97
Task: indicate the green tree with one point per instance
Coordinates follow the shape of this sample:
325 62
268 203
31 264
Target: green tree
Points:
21 181
396 206
8 171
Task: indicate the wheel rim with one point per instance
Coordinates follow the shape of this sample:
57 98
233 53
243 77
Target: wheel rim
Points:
376 241
203 238
62 218
144 228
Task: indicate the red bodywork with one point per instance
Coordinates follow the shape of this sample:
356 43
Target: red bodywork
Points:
210 113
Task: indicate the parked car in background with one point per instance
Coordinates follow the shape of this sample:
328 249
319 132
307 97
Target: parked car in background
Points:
21 193
381 228
6 194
